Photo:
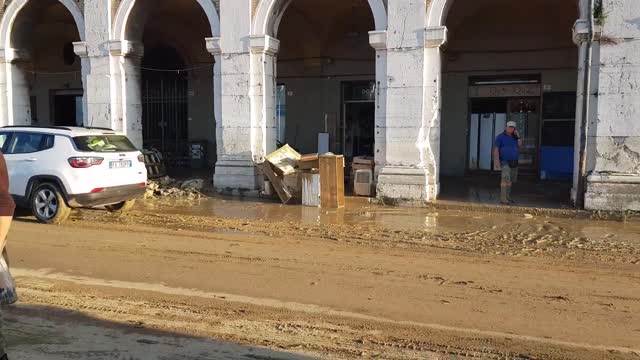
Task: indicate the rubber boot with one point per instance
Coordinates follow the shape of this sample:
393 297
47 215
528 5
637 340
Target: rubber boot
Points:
505 194
509 199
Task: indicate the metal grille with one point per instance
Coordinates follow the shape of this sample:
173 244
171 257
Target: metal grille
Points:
165 115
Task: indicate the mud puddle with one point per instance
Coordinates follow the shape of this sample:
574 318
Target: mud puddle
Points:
367 224
358 212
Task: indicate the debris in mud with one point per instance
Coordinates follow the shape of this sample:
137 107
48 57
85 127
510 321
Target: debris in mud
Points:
168 187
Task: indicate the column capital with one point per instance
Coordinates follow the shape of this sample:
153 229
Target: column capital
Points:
81 49
581 32
378 39
126 48
9 55
264 44
213 45
435 36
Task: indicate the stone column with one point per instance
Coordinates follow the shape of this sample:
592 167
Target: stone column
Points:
97 70
434 39
126 57
213 46
263 96
407 149
235 171
81 49
5 68
378 40
14 85
613 146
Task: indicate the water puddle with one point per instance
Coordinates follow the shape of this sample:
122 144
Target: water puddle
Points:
362 213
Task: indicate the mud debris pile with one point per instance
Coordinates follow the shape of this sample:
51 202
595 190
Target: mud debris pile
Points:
169 187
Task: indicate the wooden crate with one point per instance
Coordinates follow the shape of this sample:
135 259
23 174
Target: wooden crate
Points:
332 181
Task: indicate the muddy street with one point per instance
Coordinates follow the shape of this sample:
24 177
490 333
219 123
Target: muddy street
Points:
224 279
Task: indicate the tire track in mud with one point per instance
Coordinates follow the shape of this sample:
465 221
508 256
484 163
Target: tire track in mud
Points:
296 326
540 238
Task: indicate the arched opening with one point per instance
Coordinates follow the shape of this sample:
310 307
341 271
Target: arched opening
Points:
45 77
326 78
508 61
175 81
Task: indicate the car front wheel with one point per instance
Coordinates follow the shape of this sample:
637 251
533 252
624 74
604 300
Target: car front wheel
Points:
48 204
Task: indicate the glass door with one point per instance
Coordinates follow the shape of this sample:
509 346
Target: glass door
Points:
526 113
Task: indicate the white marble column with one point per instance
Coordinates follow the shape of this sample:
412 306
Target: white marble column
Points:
214 48
14 86
263 96
235 170
407 147
613 145
5 66
126 57
81 49
429 143
378 40
98 73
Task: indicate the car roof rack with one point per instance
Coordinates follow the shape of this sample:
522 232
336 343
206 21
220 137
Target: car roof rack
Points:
37 127
96 128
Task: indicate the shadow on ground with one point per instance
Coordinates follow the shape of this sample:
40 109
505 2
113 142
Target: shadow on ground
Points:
48 333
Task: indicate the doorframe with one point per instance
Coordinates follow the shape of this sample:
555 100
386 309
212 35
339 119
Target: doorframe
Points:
52 101
344 103
536 76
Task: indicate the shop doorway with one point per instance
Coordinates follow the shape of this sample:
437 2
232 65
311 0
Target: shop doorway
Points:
171 89
493 103
496 68
358 115
67 107
165 104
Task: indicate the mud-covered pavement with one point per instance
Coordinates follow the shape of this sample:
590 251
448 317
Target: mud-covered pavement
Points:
240 280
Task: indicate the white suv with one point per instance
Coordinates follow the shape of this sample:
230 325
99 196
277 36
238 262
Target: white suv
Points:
54 169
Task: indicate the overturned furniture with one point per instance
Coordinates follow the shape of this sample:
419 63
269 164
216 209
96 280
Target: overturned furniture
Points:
279 168
314 180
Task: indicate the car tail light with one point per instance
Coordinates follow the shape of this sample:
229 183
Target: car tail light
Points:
97 190
143 184
84 162
141 158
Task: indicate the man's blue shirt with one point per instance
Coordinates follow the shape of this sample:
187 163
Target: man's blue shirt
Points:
508 147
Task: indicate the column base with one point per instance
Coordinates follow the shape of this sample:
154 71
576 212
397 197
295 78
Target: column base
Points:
238 178
613 192
406 184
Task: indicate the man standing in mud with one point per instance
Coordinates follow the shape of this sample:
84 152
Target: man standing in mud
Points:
506 155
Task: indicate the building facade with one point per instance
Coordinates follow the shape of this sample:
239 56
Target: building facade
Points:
423 86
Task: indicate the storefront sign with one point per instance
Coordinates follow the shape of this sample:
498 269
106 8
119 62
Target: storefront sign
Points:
493 91
360 91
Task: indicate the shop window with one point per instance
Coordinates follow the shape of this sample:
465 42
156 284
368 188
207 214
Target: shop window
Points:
281 112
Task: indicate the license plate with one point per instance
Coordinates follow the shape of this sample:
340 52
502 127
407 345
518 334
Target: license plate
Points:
120 164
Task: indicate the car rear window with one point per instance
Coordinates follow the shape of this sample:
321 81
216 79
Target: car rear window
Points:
103 143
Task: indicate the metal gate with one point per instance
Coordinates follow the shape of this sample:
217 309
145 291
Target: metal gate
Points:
165 115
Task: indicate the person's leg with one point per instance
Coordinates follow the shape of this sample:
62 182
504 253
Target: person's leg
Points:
5 224
3 344
505 184
514 179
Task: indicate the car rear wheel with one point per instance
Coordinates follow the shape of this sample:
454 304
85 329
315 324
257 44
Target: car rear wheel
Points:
48 204
121 206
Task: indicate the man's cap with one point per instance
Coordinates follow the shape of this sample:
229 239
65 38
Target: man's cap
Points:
512 124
